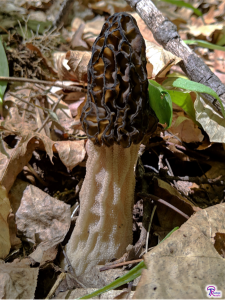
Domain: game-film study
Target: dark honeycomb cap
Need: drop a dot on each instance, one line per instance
(117, 109)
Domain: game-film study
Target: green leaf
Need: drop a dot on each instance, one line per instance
(184, 4)
(184, 101)
(53, 115)
(204, 44)
(197, 87)
(131, 275)
(4, 71)
(160, 102)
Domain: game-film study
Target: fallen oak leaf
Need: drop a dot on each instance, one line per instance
(187, 259)
(18, 280)
(42, 219)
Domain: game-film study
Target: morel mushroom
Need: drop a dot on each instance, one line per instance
(115, 118)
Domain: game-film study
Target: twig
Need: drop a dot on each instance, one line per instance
(155, 198)
(71, 271)
(49, 83)
(29, 103)
(120, 264)
(55, 286)
(197, 180)
(171, 173)
(36, 175)
(149, 227)
(49, 116)
(67, 260)
(65, 9)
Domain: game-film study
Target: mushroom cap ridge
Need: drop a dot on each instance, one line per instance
(117, 108)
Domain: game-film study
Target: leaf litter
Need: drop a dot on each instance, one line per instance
(43, 162)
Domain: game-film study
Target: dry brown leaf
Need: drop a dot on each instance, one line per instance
(167, 217)
(212, 122)
(217, 170)
(78, 62)
(184, 128)
(145, 31)
(92, 30)
(75, 24)
(219, 60)
(159, 61)
(220, 10)
(42, 219)
(14, 106)
(203, 31)
(11, 166)
(16, 193)
(4, 232)
(14, 240)
(75, 105)
(77, 42)
(35, 49)
(209, 17)
(63, 69)
(185, 263)
(113, 294)
(18, 280)
(71, 153)
(73, 65)
(13, 160)
(111, 6)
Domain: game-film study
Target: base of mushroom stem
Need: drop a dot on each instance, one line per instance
(104, 226)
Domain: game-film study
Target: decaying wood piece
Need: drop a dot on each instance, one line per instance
(165, 33)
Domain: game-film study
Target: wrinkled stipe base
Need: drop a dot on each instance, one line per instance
(104, 226)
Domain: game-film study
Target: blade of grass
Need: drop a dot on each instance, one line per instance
(204, 44)
(4, 71)
(184, 4)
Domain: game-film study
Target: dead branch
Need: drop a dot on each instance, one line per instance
(49, 83)
(165, 33)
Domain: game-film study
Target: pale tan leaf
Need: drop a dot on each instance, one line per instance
(113, 294)
(92, 30)
(28, 137)
(64, 71)
(184, 128)
(184, 264)
(145, 31)
(159, 60)
(77, 42)
(18, 280)
(168, 218)
(13, 161)
(111, 6)
(16, 193)
(205, 30)
(78, 62)
(14, 240)
(4, 232)
(42, 219)
(71, 153)
(212, 122)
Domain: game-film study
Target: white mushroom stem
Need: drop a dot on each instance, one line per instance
(104, 226)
